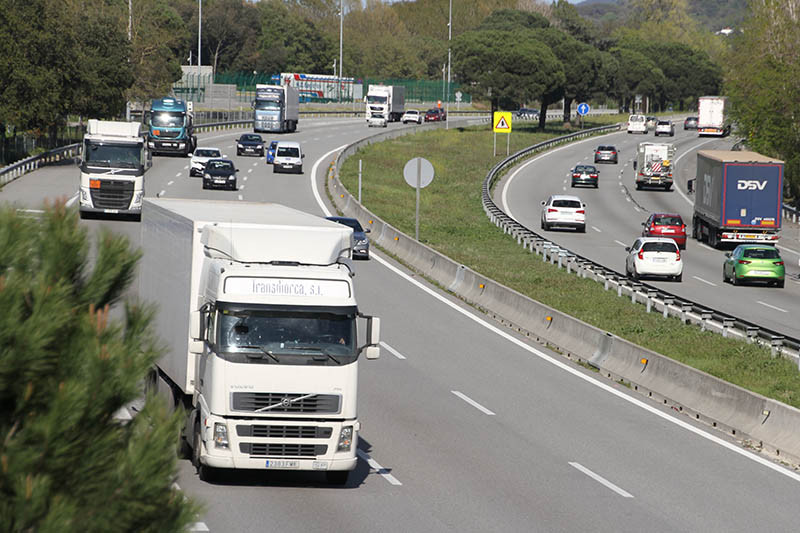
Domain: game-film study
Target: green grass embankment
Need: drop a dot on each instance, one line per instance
(453, 222)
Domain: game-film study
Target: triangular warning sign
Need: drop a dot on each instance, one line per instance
(502, 124)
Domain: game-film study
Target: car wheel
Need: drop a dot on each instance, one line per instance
(582, 229)
(572, 184)
(678, 278)
(667, 187)
(204, 185)
(596, 185)
(780, 283)
(300, 170)
(634, 273)
(734, 279)
(274, 169)
(545, 226)
(724, 276)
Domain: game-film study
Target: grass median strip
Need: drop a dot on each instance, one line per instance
(452, 221)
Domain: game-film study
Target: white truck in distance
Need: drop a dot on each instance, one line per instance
(385, 103)
(258, 314)
(712, 116)
(114, 159)
(654, 164)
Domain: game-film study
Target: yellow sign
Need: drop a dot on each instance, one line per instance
(501, 123)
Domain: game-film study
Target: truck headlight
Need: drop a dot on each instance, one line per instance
(345, 439)
(220, 435)
(85, 196)
(137, 198)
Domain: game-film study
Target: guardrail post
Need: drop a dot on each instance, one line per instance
(650, 294)
(634, 288)
(775, 343)
(685, 308)
(569, 264)
(606, 281)
(561, 255)
(752, 334)
(545, 249)
(667, 302)
(727, 323)
(620, 283)
(705, 316)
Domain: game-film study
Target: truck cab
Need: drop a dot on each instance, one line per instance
(171, 128)
(276, 108)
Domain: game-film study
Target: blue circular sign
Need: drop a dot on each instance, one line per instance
(583, 108)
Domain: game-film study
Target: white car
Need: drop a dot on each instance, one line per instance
(379, 121)
(412, 115)
(654, 256)
(637, 124)
(665, 127)
(200, 157)
(564, 211)
(288, 157)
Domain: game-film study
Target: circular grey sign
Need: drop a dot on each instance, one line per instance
(418, 165)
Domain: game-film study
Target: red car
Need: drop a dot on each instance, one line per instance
(666, 225)
(435, 115)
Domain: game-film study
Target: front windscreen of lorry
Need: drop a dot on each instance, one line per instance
(285, 335)
(166, 119)
(267, 105)
(375, 99)
(112, 155)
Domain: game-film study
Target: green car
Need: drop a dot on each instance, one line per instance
(754, 262)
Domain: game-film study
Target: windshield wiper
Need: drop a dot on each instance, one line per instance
(323, 351)
(262, 350)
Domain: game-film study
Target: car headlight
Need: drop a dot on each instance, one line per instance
(231, 178)
(259, 146)
(207, 176)
(220, 435)
(361, 241)
(345, 439)
(239, 145)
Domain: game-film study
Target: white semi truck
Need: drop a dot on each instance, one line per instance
(654, 165)
(258, 314)
(712, 116)
(276, 108)
(385, 103)
(114, 159)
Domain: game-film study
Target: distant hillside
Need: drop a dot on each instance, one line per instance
(712, 15)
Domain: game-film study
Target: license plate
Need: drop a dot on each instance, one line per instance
(248, 149)
(219, 181)
(749, 236)
(760, 272)
(282, 463)
(659, 260)
(287, 166)
(168, 145)
(668, 231)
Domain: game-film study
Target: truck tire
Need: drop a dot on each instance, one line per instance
(668, 187)
(337, 477)
(204, 472)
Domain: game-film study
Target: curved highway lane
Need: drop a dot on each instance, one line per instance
(467, 427)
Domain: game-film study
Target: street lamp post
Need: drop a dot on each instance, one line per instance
(341, 33)
(199, 34)
(449, 37)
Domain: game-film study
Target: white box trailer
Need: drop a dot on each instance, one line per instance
(258, 314)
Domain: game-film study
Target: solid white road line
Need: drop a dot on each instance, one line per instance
(381, 471)
(392, 351)
(704, 281)
(688, 200)
(765, 304)
(313, 175)
(73, 199)
(601, 480)
(598, 230)
(620, 243)
(668, 417)
(472, 402)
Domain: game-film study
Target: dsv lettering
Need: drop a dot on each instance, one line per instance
(751, 185)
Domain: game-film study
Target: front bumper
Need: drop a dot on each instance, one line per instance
(287, 167)
(653, 180)
(172, 146)
(216, 183)
(250, 150)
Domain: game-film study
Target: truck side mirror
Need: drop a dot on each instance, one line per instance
(371, 349)
(196, 324)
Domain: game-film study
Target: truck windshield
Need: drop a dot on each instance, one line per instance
(121, 155)
(167, 119)
(286, 337)
(375, 99)
(264, 105)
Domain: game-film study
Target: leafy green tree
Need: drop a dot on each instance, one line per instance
(568, 19)
(509, 68)
(513, 19)
(637, 74)
(66, 368)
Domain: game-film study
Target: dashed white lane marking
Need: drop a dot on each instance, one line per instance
(620, 243)
(601, 480)
(704, 281)
(381, 471)
(245, 178)
(473, 403)
(170, 182)
(179, 174)
(249, 170)
(564, 188)
(186, 167)
(255, 164)
(162, 193)
(637, 209)
(765, 304)
(598, 230)
(241, 188)
(627, 199)
(795, 252)
(392, 351)
(72, 200)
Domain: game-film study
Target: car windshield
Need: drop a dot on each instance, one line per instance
(636, 118)
(286, 336)
(667, 221)
(219, 164)
(663, 123)
(166, 119)
(350, 222)
(288, 151)
(659, 247)
(761, 253)
(412, 112)
(605, 148)
(575, 204)
(200, 152)
(251, 138)
(585, 168)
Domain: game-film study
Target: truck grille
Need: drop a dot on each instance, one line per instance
(112, 194)
(162, 134)
(284, 432)
(286, 403)
(282, 450)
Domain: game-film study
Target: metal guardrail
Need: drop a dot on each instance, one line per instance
(14, 170)
(648, 294)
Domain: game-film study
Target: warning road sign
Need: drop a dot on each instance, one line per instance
(501, 122)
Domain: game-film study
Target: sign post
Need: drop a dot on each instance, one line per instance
(583, 110)
(418, 173)
(501, 123)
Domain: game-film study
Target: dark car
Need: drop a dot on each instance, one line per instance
(669, 225)
(360, 241)
(435, 115)
(273, 145)
(220, 174)
(525, 113)
(250, 144)
(607, 154)
(585, 175)
(690, 123)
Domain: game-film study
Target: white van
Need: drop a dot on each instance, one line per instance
(637, 124)
(288, 157)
